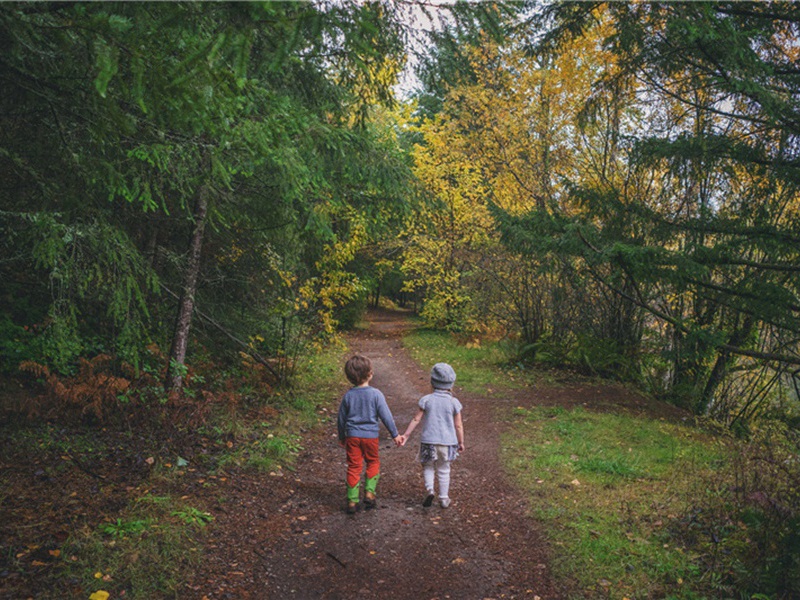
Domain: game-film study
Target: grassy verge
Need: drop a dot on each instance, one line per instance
(614, 493)
(481, 368)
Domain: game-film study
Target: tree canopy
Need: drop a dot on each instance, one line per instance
(638, 164)
(612, 186)
(218, 155)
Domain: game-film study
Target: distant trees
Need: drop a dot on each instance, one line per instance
(614, 184)
(638, 162)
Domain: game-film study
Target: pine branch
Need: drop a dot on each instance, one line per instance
(766, 356)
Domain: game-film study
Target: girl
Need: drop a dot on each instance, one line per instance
(442, 432)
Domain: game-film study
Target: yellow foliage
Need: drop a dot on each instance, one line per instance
(233, 254)
(509, 139)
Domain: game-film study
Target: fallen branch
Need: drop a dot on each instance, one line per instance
(252, 353)
(336, 559)
(85, 469)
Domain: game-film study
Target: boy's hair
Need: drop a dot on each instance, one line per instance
(358, 369)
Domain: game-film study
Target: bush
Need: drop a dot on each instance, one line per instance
(15, 345)
(351, 313)
(766, 499)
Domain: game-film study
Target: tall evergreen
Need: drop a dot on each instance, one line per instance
(173, 160)
(711, 250)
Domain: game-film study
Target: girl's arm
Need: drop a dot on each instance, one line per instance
(459, 431)
(413, 424)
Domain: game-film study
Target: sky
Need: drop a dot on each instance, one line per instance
(421, 16)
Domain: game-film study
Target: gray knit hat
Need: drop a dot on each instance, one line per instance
(442, 376)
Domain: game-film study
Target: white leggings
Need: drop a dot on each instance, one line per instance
(441, 468)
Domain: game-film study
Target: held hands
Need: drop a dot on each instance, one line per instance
(401, 440)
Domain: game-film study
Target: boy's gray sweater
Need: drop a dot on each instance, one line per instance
(360, 411)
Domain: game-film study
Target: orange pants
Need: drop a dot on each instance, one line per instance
(360, 450)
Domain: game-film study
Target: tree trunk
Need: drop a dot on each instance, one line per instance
(183, 322)
(722, 365)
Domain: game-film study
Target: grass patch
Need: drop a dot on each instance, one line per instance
(146, 554)
(611, 490)
(480, 368)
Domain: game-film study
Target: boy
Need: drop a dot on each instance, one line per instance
(359, 412)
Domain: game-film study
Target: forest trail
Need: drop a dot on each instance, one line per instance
(287, 535)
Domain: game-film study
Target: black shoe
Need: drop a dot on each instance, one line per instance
(370, 503)
(352, 508)
(428, 500)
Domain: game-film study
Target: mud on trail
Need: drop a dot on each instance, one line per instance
(287, 535)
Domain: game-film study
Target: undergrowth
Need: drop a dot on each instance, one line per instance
(147, 552)
(122, 502)
(159, 542)
(270, 437)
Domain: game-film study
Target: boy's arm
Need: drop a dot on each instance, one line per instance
(341, 421)
(459, 423)
(386, 417)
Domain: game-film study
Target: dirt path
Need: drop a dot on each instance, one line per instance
(290, 538)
